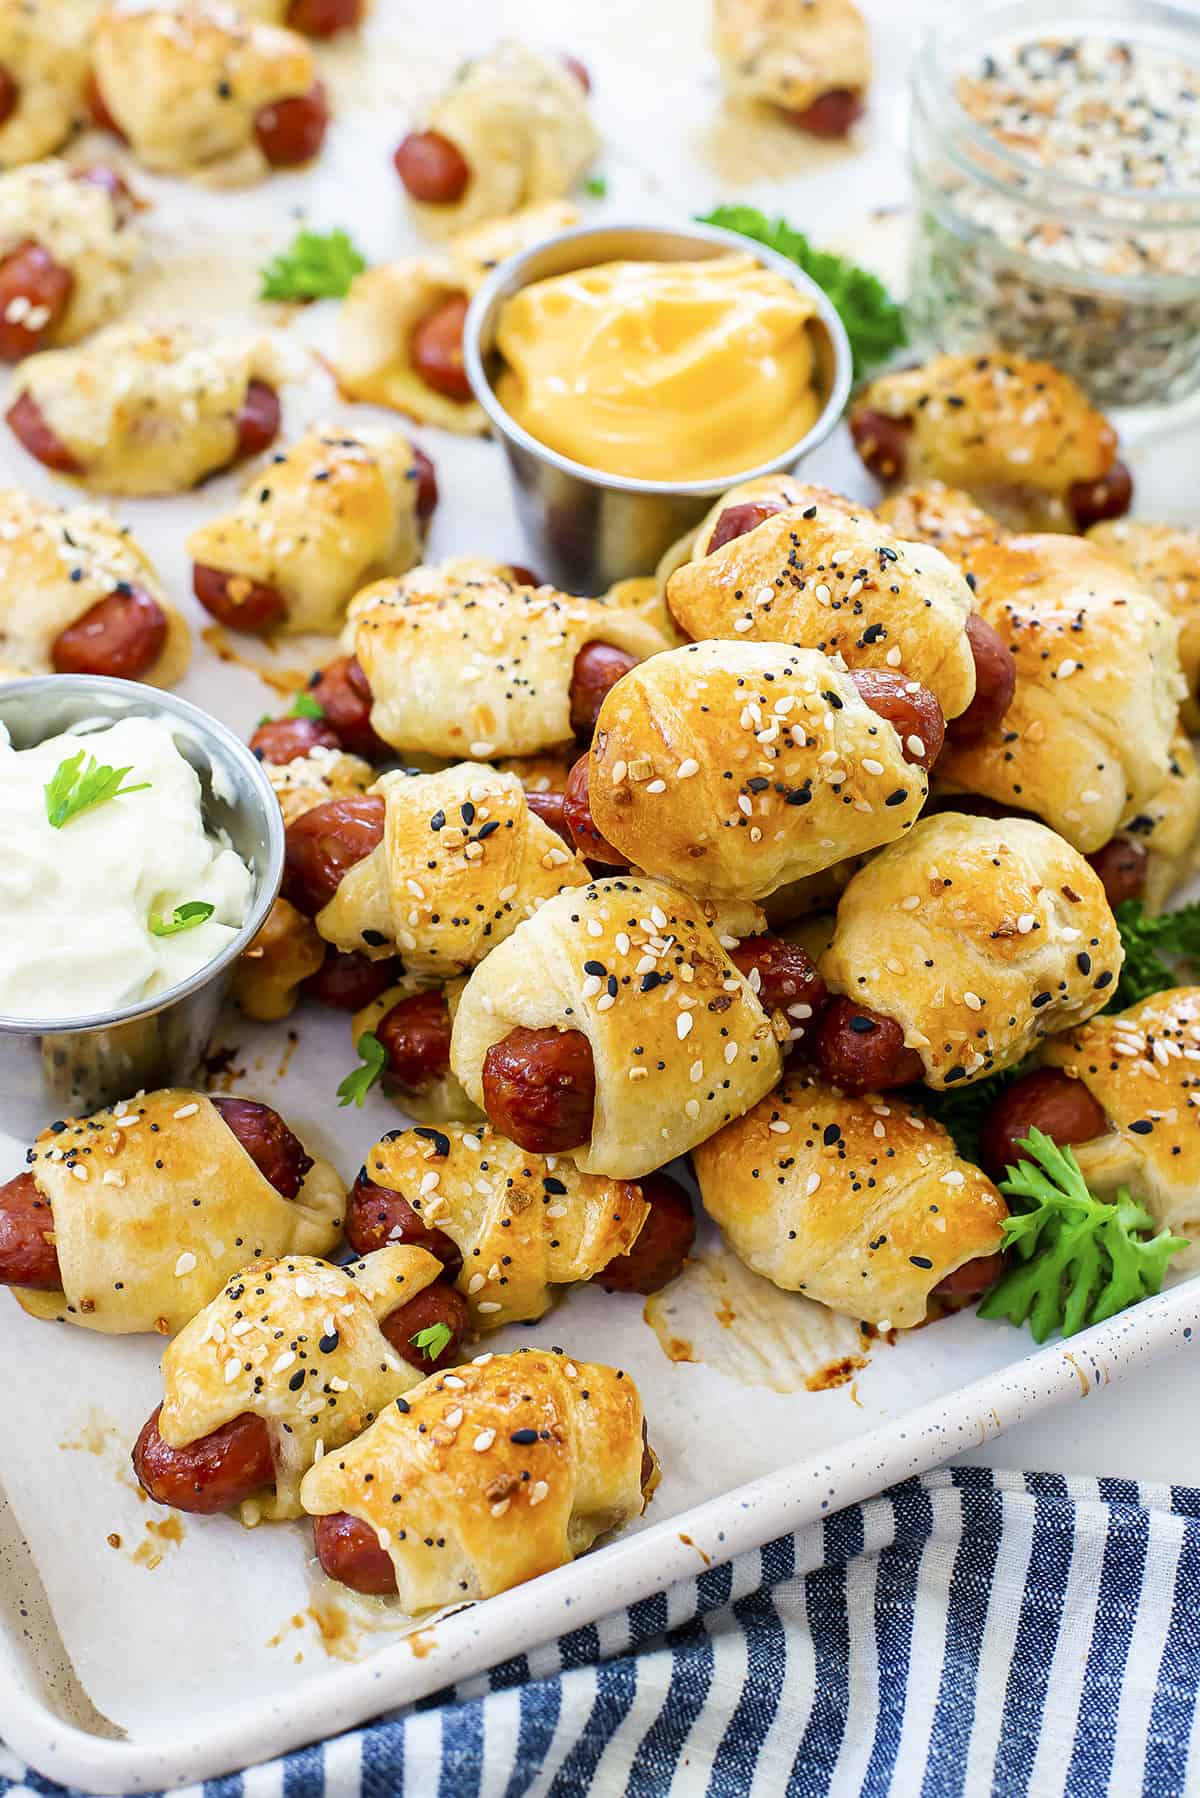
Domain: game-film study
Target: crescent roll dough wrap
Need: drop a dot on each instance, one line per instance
(825, 579)
(146, 409)
(679, 1042)
(184, 84)
(45, 50)
(772, 489)
(1140, 1066)
(945, 516)
(1086, 740)
(862, 1204)
(525, 1223)
(385, 305)
(471, 663)
(135, 1252)
(313, 1362)
(1166, 562)
(979, 936)
(55, 565)
(521, 123)
(475, 1520)
(309, 780)
(463, 860)
(1169, 826)
(736, 768)
(333, 511)
(1016, 434)
(790, 52)
(84, 228)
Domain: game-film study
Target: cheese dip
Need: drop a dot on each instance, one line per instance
(661, 371)
(129, 895)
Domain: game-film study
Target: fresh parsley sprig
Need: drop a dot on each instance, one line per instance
(874, 322)
(313, 267)
(433, 1340)
(184, 917)
(305, 706)
(373, 1059)
(1078, 1259)
(80, 783)
(1146, 941)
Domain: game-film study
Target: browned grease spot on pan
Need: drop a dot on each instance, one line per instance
(688, 1543)
(1085, 1385)
(720, 1314)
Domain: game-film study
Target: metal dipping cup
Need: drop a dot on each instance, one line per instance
(589, 529)
(55, 1067)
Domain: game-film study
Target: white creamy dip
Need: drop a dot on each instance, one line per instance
(76, 903)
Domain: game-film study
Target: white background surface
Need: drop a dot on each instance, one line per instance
(672, 149)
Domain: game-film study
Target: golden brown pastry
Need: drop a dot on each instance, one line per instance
(1019, 436)
(524, 1223)
(482, 1507)
(1086, 739)
(519, 123)
(57, 568)
(810, 58)
(389, 304)
(978, 937)
(678, 1042)
(1166, 562)
(1168, 826)
(44, 53)
(298, 1344)
(144, 409)
(335, 510)
(771, 492)
(195, 88)
(158, 1201)
(268, 975)
(1140, 1066)
(309, 780)
(463, 860)
(87, 229)
(464, 661)
(862, 1204)
(944, 516)
(824, 578)
(733, 769)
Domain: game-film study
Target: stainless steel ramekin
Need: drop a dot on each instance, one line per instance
(589, 529)
(53, 1067)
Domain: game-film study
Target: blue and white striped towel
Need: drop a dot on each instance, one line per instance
(976, 1633)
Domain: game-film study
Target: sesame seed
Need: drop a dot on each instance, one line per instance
(185, 1264)
(487, 1305)
(892, 658)
(683, 1025)
(692, 1108)
(187, 1111)
(811, 1185)
(537, 1492)
(483, 1441)
(476, 1283)
(453, 1418)
(500, 1507)
(973, 1001)
(1026, 922)
(687, 768)
(872, 766)
(743, 624)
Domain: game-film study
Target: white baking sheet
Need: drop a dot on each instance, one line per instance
(139, 1649)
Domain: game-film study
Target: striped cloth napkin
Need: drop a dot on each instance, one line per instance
(976, 1633)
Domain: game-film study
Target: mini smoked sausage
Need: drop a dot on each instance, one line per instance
(433, 1305)
(735, 521)
(539, 1088)
(291, 131)
(972, 1279)
(238, 602)
(598, 667)
(349, 1552)
(881, 442)
(121, 636)
(322, 844)
(831, 114)
(27, 1253)
(416, 1035)
(661, 1245)
(275, 1151)
(282, 740)
(436, 348)
(995, 682)
(862, 1052)
(346, 980)
(28, 425)
(786, 978)
(257, 421)
(342, 692)
(212, 1474)
(1091, 502)
(909, 708)
(1046, 1100)
(10, 93)
(425, 476)
(377, 1216)
(322, 18)
(1121, 865)
(433, 170)
(35, 291)
(551, 808)
(594, 848)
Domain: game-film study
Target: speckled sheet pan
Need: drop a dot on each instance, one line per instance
(140, 1649)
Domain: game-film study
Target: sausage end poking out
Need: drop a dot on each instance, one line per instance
(539, 1088)
(238, 602)
(344, 696)
(290, 132)
(28, 1256)
(1091, 502)
(277, 1154)
(349, 1552)
(1046, 1100)
(321, 845)
(346, 980)
(785, 979)
(1122, 866)
(831, 114)
(28, 425)
(995, 683)
(911, 710)
(862, 1052)
(435, 348)
(211, 1474)
(662, 1244)
(121, 636)
(258, 420)
(598, 667)
(434, 170)
(736, 521)
(577, 813)
(35, 292)
(379, 1216)
(881, 442)
(283, 740)
(415, 1035)
(438, 1304)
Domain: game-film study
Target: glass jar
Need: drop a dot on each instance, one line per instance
(1087, 256)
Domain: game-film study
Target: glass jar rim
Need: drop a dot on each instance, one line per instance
(933, 84)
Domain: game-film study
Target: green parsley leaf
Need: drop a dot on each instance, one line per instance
(78, 784)
(961, 1109)
(874, 322)
(1146, 942)
(357, 1084)
(432, 1341)
(596, 186)
(184, 917)
(305, 706)
(1077, 1259)
(312, 268)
